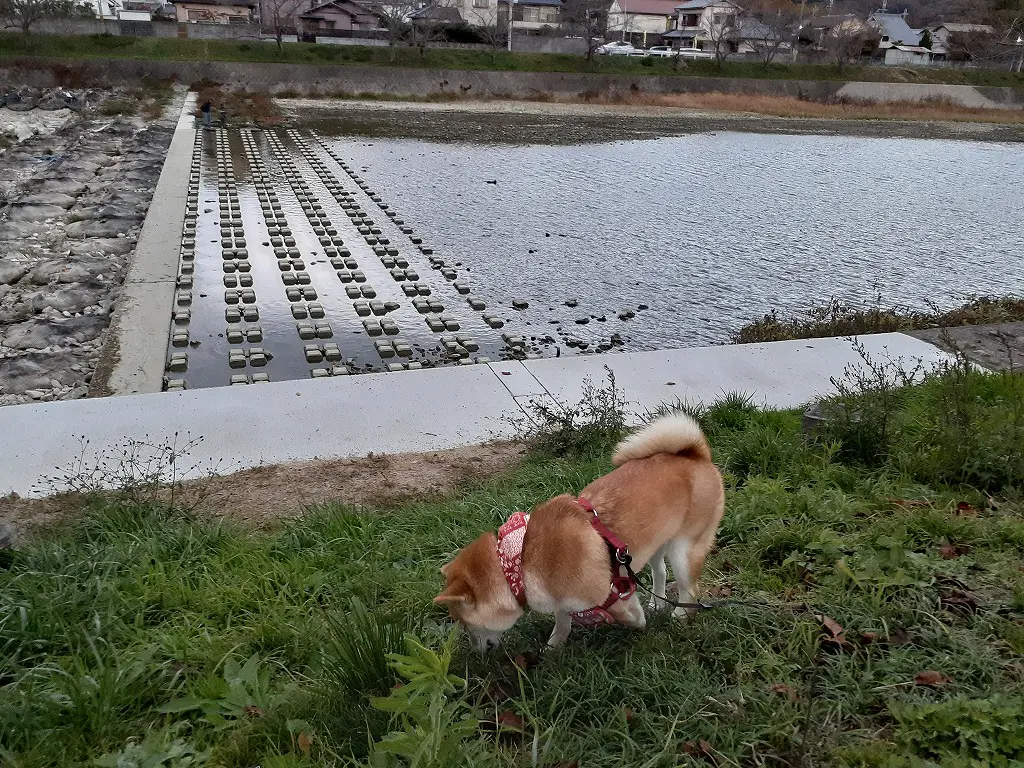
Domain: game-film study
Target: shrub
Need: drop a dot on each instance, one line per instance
(593, 426)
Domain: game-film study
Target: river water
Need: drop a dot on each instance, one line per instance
(531, 236)
(710, 230)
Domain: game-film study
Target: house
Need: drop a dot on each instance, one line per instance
(530, 14)
(338, 16)
(904, 55)
(214, 11)
(755, 37)
(821, 33)
(436, 14)
(641, 18)
(952, 41)
(705, 25)
(893, 28)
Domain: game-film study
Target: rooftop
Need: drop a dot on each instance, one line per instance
(895, 27)
(649, 7)
(953, 26)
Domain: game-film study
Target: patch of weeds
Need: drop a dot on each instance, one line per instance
(594, 425)
(861, 416)
(244, 691)
(162, 748)
(838, 318)
(357, 656)
(963, 731)
(965, 426)
(113, 107)
(953, 424)
(433, 726)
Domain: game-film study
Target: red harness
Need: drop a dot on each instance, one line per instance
(510, 554)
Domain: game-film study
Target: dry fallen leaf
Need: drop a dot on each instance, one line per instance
(835, 635)
(833, 627)
(931, 679)
(627, 712)
(253, 711)
(964, 509)
(720, 590)
(305, 742)
(899, 637)
(700, 748)
(510, 720)
(959, 598)
(869, 637)
(783, 690)
(948, 552)
(525, 661)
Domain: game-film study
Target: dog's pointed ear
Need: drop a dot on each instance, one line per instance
(457, 591)
(446, 569)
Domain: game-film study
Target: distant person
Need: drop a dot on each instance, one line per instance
(207, 110)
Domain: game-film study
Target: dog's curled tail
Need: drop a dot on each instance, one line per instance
(676, 433)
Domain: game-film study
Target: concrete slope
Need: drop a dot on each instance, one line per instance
(246, 426)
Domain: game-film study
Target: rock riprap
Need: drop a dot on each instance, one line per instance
(72, 203)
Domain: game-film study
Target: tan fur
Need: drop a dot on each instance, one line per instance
(675, 433)
(664, 500)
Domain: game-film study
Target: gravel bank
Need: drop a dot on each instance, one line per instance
(514, 122)
(72, 203)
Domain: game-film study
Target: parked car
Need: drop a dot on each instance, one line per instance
(683, 53)
(619, 48)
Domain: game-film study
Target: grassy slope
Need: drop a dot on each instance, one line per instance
(134, 607)
(225, 50)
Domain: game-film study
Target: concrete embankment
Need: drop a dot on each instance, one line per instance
(413, 411)
(415, 82)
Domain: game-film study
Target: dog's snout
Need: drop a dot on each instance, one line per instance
(490, 645)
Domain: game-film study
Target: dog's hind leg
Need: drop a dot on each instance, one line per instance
(563, 623)
(687, 562)
(658, 578)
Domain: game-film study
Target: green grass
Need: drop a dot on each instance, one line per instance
(160, 637)
(175, 49)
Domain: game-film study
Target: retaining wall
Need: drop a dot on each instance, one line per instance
(402, 81)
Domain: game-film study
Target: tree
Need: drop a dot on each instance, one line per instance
(587, 19)
(721, 29)
(394, 19)
(849, 40)
(281, 17)
(22, 14)
(770, 26)
(926, 40)
(427, 25)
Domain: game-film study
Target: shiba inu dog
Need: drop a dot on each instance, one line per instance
(664, 500)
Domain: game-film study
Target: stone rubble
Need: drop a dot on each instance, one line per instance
(72, 204)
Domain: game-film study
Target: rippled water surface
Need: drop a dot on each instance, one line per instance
(709, 230)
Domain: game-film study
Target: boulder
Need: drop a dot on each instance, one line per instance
(11, 272)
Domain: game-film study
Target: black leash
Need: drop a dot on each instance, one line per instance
(702, 606)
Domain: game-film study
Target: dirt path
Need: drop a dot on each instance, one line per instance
(260, 497)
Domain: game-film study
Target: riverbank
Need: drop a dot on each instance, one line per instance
(571, 121)
(877, 622)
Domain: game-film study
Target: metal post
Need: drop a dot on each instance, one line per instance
(511, 13)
